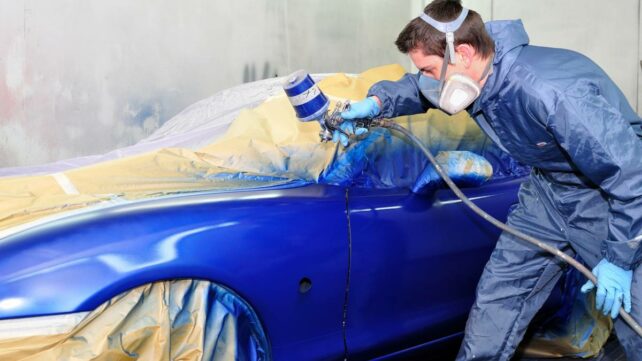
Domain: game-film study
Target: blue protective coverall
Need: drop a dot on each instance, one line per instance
(558, 112)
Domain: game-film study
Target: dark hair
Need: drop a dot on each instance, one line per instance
(419, 34)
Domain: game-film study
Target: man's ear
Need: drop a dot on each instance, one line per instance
(465, 53)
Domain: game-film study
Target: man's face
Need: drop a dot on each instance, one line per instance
(430, 65)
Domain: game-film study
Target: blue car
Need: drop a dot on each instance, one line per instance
(328, 270)
(308, 271)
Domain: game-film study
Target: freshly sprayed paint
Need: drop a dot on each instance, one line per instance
(261, 244)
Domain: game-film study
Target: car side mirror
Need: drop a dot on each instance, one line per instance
(428, 182)
(465, 168)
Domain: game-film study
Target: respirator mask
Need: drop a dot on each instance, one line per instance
(456, 93)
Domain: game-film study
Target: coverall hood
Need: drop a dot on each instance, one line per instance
(509, 37)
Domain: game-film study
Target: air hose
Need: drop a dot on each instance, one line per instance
(504, 227)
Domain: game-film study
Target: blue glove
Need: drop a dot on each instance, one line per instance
(613, 287)
(348, 127)
(367, 108)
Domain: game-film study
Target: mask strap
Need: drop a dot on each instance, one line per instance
(449, 29)
(444, 67)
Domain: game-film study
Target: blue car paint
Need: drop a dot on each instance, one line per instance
(259, 244)
(416, 261)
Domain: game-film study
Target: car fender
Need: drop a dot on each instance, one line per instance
(260, 244)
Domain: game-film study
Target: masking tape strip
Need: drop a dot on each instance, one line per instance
(65, 183)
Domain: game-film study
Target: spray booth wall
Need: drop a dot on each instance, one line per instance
(80, 77)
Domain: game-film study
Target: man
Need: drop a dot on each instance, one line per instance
(558, 112)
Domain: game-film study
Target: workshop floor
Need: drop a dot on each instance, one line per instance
(611, 352)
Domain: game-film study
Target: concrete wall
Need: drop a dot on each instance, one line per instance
(81, 77)
(607, 32)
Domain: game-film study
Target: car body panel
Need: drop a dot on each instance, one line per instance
(258, 243)
(415, 263)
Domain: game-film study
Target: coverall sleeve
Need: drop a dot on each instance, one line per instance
(401, 97)
(603, 146)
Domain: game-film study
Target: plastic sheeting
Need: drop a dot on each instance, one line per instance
(263, 146)
(172, 320)
(198, 125)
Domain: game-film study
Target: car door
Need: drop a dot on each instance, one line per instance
(415, 263)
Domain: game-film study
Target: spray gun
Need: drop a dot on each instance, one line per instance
(310, 103)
